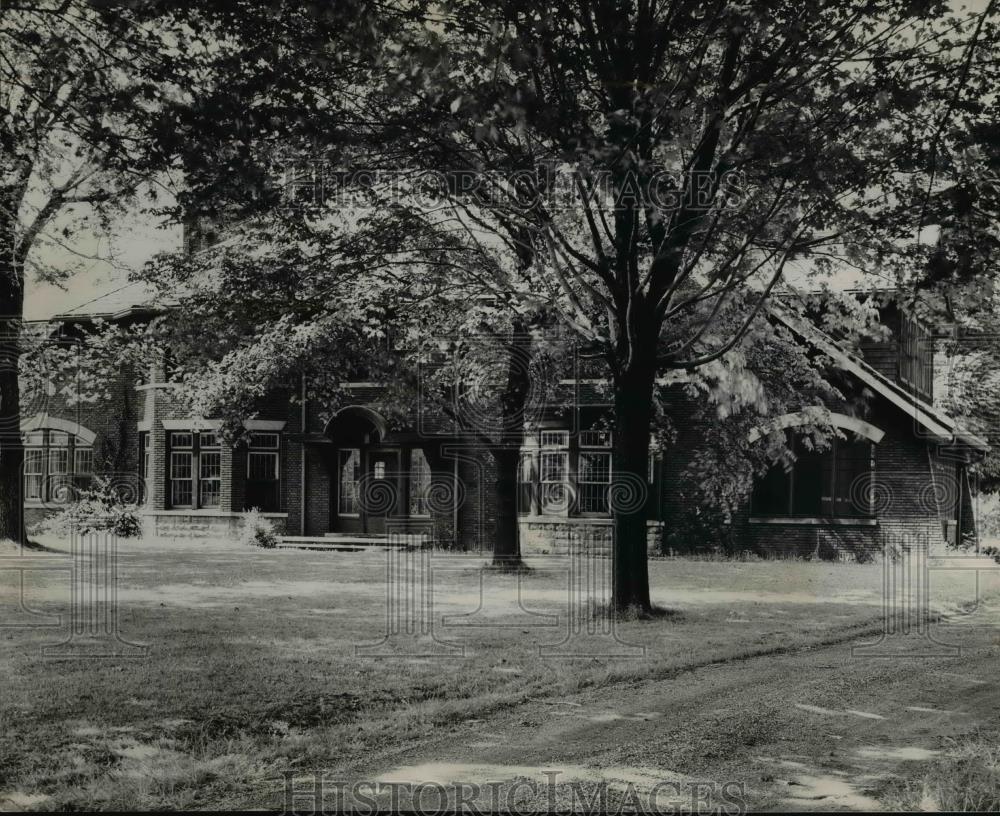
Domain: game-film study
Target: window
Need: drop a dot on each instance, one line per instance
(209, 469)
(83, 466)
(553, 487)
(181, 469)
(420, 482)
(594, 478)
(263, 472)
(525, 483)
(350, 475)
(916, 355)
(832, 483)
(593, 471)
(55, 462)
(34, 473)
(567, 474)
(144, 462)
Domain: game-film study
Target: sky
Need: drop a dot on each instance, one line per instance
(96, 263)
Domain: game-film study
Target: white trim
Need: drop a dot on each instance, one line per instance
(191, 424)
(39, 421)
(808, 417)
(273, 425)
(144, 426)
(938, 425)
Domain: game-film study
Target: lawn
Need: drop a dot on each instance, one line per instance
(259, 662)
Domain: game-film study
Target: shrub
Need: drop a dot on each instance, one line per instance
(103, 507)
(258, 531)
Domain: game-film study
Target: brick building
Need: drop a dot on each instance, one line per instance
(347, 473)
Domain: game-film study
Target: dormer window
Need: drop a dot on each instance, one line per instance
(916, 356)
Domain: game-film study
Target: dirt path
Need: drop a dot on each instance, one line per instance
(819, 728)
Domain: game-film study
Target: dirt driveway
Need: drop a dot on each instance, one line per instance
(823, 728)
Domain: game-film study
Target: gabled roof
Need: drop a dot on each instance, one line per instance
(134, 298)
(937, 424)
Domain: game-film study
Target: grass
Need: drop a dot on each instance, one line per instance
(966, 778)
(252, 668)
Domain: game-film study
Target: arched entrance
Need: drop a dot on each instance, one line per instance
(377, 476)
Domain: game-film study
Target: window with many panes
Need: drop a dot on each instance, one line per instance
(824, 484)
(553, 472)
(57, 465)
(916, 356)
(561, 473)
(181, 469)
(209, 469)
(263, 471)
(194, 468)
(566, 474)
(593, 472)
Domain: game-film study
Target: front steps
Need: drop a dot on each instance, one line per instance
(354, 542)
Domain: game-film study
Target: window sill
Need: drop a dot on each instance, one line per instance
(812, 521)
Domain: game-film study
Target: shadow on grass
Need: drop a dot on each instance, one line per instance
(11, 547)
(507, 568)
(636, 613)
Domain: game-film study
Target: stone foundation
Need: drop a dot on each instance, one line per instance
(200, 524)
(558, 536)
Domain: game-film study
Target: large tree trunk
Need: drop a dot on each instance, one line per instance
(633, 416)
(507, 544)
(507, 454)
(11, 449)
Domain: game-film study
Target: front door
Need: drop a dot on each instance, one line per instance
(382, 490)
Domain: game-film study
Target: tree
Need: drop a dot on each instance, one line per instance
(654, 167)
(81, 87)
(710, 146)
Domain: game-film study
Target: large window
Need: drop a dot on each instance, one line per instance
(835, 483)
(593, 472)
(553, 481)
(195, 468)
(181, 469)
(57, 465)
(209, 469)
(566, 474)
(263, 471)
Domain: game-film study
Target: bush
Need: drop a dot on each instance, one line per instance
(258, 531)
(102, 507)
